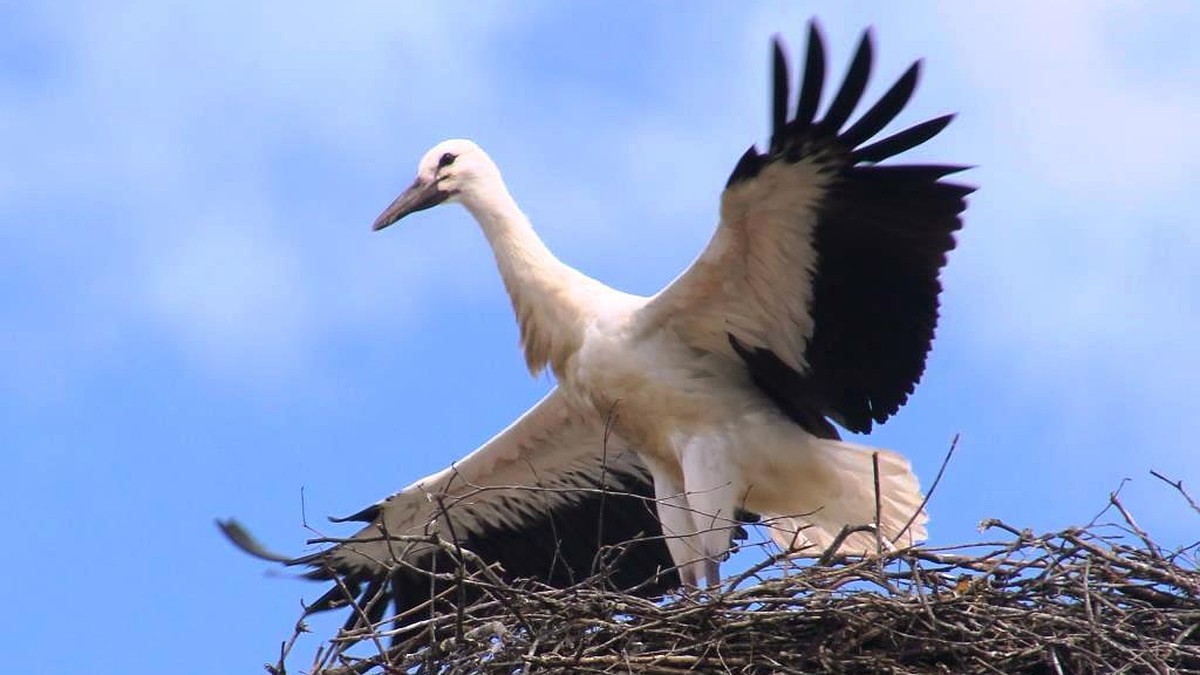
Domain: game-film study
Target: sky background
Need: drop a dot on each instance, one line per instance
(195, 321)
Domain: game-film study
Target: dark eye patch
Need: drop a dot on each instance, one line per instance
(446, 160)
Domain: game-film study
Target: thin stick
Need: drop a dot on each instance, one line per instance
(1178, 485)
(936, 480)
(878, 503)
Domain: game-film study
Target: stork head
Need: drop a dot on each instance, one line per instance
(451, 171)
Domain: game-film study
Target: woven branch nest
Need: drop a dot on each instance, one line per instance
(1098, 599)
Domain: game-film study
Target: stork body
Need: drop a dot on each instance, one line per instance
(714, 443)
(815, 302)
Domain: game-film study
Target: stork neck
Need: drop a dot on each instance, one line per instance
(545, 293)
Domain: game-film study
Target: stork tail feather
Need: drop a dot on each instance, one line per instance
(847, 498)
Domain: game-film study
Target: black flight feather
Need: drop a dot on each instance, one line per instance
(780, 95)
(814, 78)
(852, 87)
(901, 141)
(885, 110)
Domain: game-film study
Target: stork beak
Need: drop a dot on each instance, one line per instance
(418, 197)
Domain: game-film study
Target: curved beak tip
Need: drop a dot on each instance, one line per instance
(417, 197)
(394, 212)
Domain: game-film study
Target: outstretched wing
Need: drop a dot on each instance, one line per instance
(823, 273)
(549, 498)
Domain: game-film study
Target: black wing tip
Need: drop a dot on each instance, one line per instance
(866, 44)
(901, 141)
(815, 37)
(913, 73)
(790, 137)
(853, 86)
(816, 42)
(367, 515)
(884, 111)
(868, 37)
(813, 79)
(240, 537)
(780, 92)
(747, 166)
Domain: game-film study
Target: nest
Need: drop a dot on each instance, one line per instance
(1104, 598)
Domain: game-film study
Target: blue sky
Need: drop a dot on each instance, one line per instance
(198, 323)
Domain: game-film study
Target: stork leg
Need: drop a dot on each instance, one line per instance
(713, 495)
(676, 519)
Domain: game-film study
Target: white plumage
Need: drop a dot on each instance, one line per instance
(815, 300)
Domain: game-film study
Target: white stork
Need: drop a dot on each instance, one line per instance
(816, 300)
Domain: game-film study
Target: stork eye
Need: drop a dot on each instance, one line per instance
(446, 160)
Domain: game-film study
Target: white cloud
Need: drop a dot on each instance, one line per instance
(1069, 100)
(1076, 281)
(227, 288)
(153, 160)
(1086, 163)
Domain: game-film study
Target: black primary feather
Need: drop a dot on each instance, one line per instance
(852, 88)
(885, 110)
(814, 78)
(780, 97)
(902, 141)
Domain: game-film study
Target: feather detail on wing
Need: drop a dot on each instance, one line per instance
(552, 497)
(822, 275)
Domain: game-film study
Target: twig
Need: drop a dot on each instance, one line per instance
(1178, 485)
(933, 486)
(878, 503)
(1150, 545)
